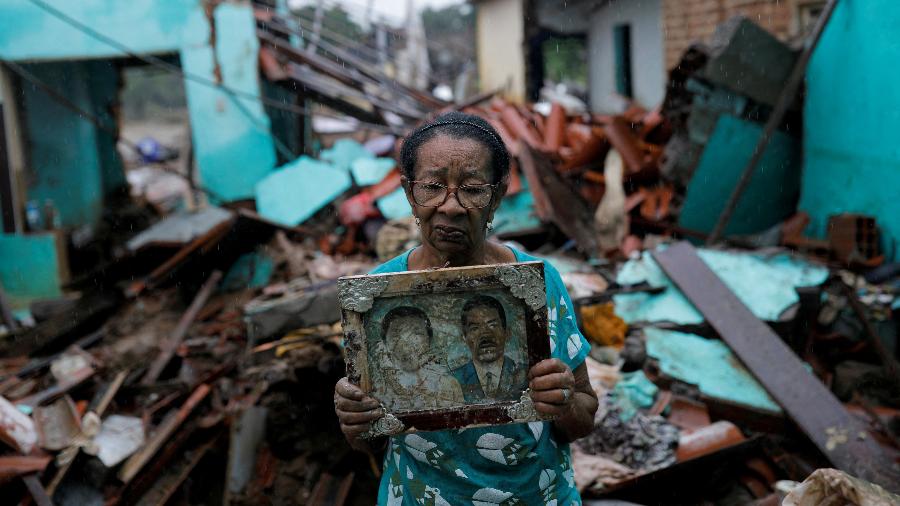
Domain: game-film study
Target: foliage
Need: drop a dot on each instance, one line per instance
(451, 36)
(565, 60)
(334, 19)
(149, 93)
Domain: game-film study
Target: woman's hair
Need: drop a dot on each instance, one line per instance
(457, 125)
(404, 311)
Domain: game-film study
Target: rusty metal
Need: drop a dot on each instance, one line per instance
(837, 434)
(168, 348)
(775, 118)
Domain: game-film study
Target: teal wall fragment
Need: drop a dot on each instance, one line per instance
(64, 163)
(28, 32)
(394, 205)
(772, 193)
(766, 284)
(233, 146)
(30, 267)
(709, 364)
(852, 119)
(298, 190)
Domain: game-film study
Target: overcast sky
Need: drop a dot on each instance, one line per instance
(392, 10)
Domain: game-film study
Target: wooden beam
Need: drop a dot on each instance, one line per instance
(840, 437)
(171, 344)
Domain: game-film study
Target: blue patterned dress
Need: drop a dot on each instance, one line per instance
(519, 464)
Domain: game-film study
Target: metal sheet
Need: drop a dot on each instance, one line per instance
(839, 436)
(181, 228)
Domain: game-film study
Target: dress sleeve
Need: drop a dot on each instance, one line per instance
(566, 341)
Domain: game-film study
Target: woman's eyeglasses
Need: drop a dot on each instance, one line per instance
(470, 196)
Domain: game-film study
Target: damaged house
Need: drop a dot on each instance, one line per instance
(721, 203)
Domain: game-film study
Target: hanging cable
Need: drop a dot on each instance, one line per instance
(174, 69)
(100, 124)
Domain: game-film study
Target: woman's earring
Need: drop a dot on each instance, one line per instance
(490, 225)
(418, 221)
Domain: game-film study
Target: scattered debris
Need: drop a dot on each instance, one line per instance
(210, 342)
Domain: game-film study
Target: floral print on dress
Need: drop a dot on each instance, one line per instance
(472, 466)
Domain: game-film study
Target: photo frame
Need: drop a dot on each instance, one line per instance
(446, 348)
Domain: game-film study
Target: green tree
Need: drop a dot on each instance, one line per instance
(565, 60)
(451, 39)
(334, 19)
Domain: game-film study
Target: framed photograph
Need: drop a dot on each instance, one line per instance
(446, 348)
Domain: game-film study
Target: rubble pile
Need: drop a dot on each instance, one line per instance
(209, 346)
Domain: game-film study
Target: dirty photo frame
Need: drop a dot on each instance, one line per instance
(440, 298)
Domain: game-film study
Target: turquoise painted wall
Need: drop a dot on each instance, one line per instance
(852, 118)
(30, 267)
(28, 32)
(72, 162)
(64, 163)
(771, 195)
(232, 143)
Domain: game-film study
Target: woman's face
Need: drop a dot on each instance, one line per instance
(450, 228)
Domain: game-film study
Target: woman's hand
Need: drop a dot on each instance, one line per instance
(564, 394)
(552, 387)
(356, 411)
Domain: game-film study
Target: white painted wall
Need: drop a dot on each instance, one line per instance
(647, 57)
(500, 37)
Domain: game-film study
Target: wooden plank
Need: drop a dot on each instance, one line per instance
(171, 345)
(163, 432)
(33, 484)
(840, 437)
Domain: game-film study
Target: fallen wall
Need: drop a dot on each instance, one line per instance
(851, 153)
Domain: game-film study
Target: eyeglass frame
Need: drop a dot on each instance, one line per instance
(452, 190)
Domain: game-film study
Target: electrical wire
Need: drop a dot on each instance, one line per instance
(174, 69)
(100, 124)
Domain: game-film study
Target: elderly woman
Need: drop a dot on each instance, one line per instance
(455, 172)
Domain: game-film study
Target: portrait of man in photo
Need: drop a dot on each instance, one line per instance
(490, 375)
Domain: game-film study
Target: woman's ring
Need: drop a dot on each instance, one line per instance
(566, 394)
